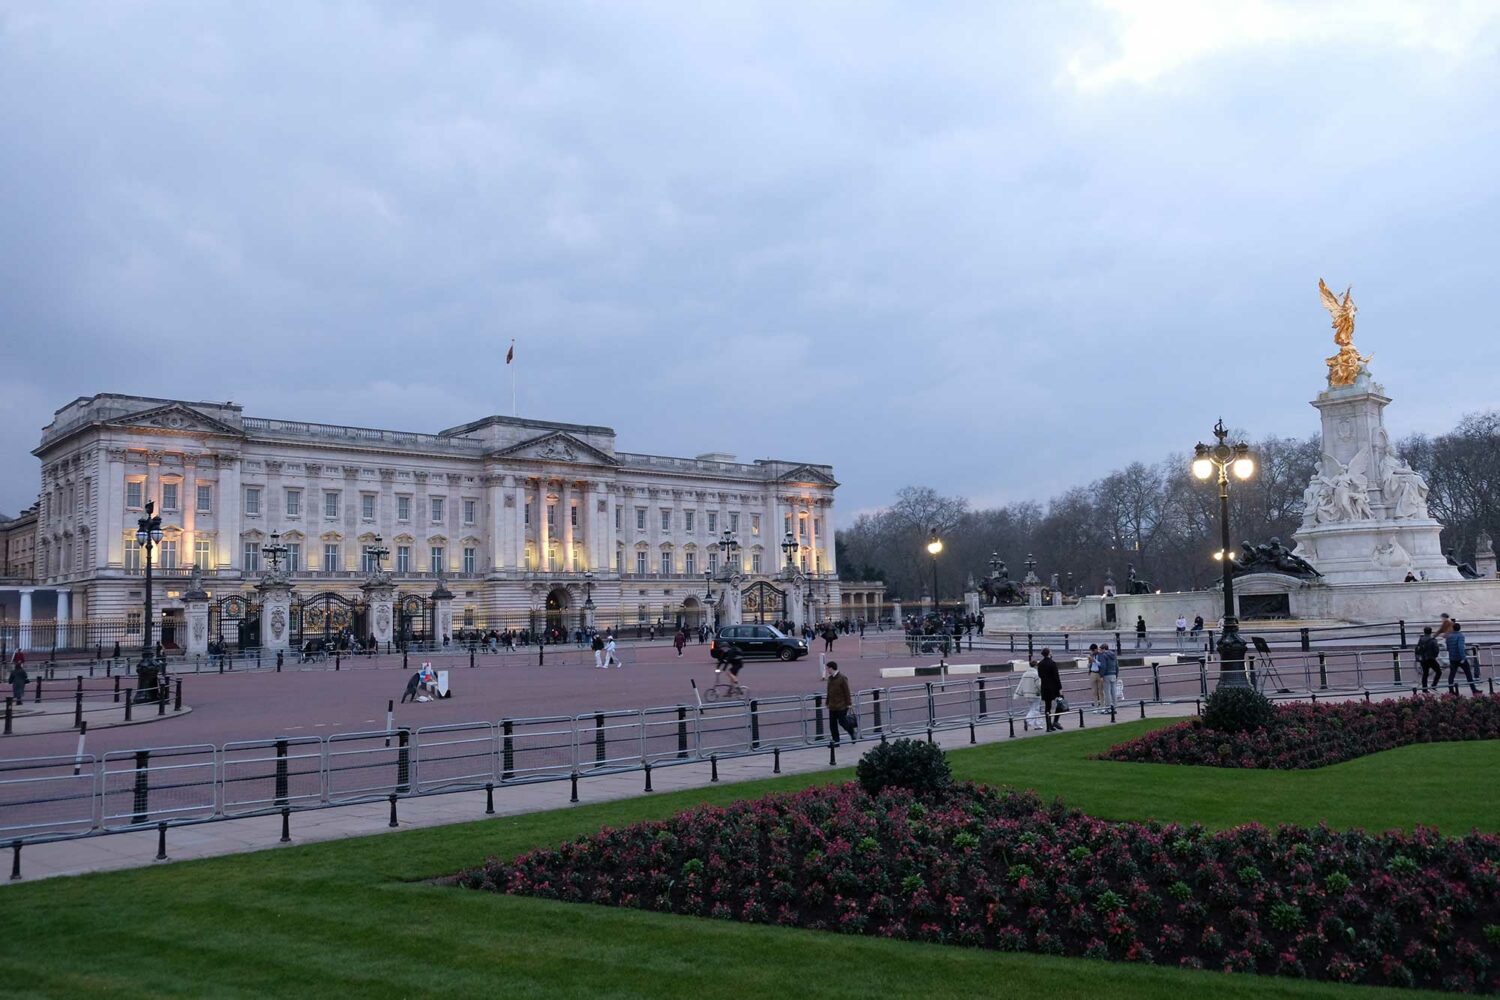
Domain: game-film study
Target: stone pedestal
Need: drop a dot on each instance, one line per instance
(275, 612)
(380, 600)
(1365, 512)
(195, 603)
(896, 614)
(442, 613)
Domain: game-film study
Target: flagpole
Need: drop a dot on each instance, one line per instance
(511, 364)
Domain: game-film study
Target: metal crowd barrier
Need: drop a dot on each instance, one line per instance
(68, 796)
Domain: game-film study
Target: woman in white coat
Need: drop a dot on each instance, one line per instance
(1029, 688)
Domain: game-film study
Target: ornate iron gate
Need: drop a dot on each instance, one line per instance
(762, 603)
(235, 619)
(325, 616)
(414, 614)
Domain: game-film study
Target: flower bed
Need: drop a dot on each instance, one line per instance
(979, 867)
(1314, 735)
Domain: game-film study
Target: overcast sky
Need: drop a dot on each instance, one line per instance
(995, 249)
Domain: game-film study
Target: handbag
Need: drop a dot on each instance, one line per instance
(1059, 705)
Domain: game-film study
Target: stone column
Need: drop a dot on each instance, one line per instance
(275, 612)
(228, 521)
(110, 522)
(23, 625)
(380, 599)
(153, 478)
(543, 534)
(60, 639)
(518, 524)
(565, 514)
(442, 612)
(812, 538)
(195, 601)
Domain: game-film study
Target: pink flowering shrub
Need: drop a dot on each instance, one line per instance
(1303, 735)
(984, 868)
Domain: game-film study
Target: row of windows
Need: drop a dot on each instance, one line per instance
(135, 493)
(333, 558)
(332, 499)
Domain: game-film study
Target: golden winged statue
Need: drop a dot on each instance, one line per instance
(1345, 366)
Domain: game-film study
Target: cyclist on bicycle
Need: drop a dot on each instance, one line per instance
(732, 662)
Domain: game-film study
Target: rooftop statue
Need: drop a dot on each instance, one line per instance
(1345, 366)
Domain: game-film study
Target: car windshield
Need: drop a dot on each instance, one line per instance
(775, 632)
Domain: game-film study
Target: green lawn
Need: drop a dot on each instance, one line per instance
(353, 919)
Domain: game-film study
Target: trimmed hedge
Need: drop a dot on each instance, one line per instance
(982, 868)
(1302, 735)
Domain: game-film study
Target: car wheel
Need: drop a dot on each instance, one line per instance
(785, 654)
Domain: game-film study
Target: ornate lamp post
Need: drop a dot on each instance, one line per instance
(789, 549)
(934, 546)
(588, 599)
(1223, 458)
(730, 546)
(378, 551)
(148, 536)
(274, 551)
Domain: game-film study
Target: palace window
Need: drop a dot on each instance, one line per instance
(713, 562)
(573, 515)
(369, 561)
(169, 554)
(754, 524)
(471, 559)
(437, 559)
(403, 508)
(203, 554)
(528, 513)
(293, 503)
(134, 490)
(205, 498)
(469, 508)
(437, 509)
(132, 554)
(551, 518)
(640, 563)
(294, 557)
(755, 562)
(367, 506)
(666, 519)
(640, 519)
(403, 559)
(666, 564)
(252, 500)
(330, 557)
(713, 522)
(132, 623)
(734, 521)
(252, 557)
(169, 496)
(690, 563)
(331, 505)
(687, 520)
(617, 517)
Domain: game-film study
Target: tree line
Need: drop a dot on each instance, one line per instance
(1157, 518)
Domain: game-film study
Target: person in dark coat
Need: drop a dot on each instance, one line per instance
(840, 700)
(1051, 683)
(412, 687)
(1427, 656)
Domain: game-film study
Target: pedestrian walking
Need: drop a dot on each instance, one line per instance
(679, 640)
(1141, 642)
(1051, 688)
(1181, 631)
(1109, 669)
(1427, 656)
(829, 635)
(598, 647)
(1197, 626)
(18, 677)
(609, 653)
(839, 701)
(1029, 689)
(1458, 659)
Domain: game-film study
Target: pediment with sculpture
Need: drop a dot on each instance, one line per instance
(558, 446)
(176, 417)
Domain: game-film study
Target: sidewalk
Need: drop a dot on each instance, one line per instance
(110, 852)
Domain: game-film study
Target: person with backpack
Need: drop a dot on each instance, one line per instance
(1427, 656)
(1109, 670)
(1458, 659)
(598, 647)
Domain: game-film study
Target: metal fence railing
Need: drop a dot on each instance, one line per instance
(68, 796)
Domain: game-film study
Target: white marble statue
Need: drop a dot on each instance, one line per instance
(1404, 488)
(1342, 492)
(1390, 555)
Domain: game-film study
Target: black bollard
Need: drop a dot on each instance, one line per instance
(1080, 716)
(776, 760)
(161, 702)
(15, 861)
(972, 737)
(161, 842)
(1396, 666)
(984, 702)
(403, 659)
(1143, 708)
(129, 697)
(1012, 720)
(648, 775)
(1111, 716)
(489, 798)
(78, 709)
(281, 774)
(833, 754)
(338, 658)
(574, 797)
(713, 767)
(38, 698)
(221, 664)
(1402, 623)
(541, 655)
(1322, 671)
(177, 704)
(471, 657)
(286, 825)
(278, 660)
(117, 689)
(9, 713)
(754, 724)
(393, 809)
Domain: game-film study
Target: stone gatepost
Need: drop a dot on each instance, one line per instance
(442, 612)
(1484, 556)
(275, 612)
(380, 599)
(195, 600)
(896, 614)
(796, 600)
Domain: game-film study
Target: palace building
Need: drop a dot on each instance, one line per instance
(524, 520)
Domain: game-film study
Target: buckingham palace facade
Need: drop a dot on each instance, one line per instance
(524, 520)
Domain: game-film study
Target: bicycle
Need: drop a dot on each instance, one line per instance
(725, 688)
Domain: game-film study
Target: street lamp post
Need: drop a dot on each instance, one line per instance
(789, 549)
(588, 599)
(934, 546)
(1223, 458)
(274, 551)
(148, 536)
(378, 551)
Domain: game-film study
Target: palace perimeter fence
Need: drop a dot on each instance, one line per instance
(64, 797)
